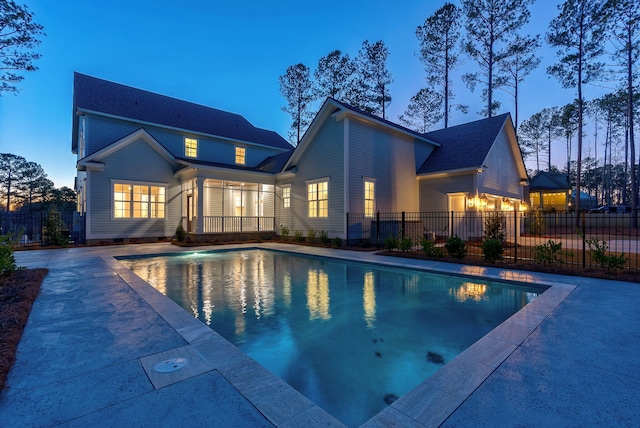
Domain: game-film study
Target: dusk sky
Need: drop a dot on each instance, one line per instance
(228, 55)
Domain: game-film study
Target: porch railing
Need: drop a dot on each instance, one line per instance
(227, 224)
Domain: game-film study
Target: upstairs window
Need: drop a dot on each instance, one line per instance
(191, 147)
(369, 198)
(318, 199)
(240, 152)
(286, 197)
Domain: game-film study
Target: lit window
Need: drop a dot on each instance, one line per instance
(138, 201)
(190, 147)
(318, 199)
(369, 198)
(240, 155)
(286, 197)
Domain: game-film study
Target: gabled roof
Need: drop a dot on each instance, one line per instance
(463, 146)
(333, 107)
(549, 181)
(96, 95)
(275, 163)
(94, 159)
(381, 120)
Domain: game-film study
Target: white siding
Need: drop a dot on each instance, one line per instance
(323, 158)
(390, 160)
(501, 177)
(433, 191)
(136, 162)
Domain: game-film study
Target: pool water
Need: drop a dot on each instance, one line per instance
(352, 337)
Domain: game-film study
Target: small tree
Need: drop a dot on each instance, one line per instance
(423, 112)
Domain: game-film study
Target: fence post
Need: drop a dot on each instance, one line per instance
(402, 225)
(347, 229)
(451, 228)
(584, 236)
(378, 229)
(515, 235)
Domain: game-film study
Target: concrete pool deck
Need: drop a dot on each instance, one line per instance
(97, 332)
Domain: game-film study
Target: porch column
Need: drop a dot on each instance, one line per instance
(200, 205)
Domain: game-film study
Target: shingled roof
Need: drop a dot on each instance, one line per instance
(462, 146)
(98, 95)
(544, 180)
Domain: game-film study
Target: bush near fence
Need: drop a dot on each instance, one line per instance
(43, 229)
(526, 233)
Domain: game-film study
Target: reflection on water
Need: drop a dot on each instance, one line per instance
(318, 295)
(369, 300)
(346, 335)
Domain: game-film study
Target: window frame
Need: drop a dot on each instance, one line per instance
(371, 199)
(317, 206)
(241, 153)
(286, 196)
(138, 198)
(190, 146)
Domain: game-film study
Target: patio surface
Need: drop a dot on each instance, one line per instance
(97, 331)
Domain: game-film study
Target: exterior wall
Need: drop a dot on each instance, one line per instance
(388, 159)
(137, 162)
(323, 158)
(433, 191)
(102, 131)
(501, 177)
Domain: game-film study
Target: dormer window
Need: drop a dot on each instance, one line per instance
(191, 147)
(240, 158)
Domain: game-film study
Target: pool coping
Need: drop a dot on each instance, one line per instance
(429, 404)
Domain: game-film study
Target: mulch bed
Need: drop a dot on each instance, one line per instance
(17, 293)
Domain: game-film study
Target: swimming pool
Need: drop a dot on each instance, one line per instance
(350, 336)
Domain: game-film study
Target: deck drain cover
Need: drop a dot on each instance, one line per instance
(170, 365)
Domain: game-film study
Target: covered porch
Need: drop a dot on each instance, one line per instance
(212, 206)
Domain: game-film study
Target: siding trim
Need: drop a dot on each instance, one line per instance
(346, 174)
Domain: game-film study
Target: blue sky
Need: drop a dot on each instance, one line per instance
(226, 55)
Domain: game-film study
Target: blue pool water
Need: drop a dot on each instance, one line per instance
(349, 336)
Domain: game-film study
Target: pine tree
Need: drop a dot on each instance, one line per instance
(296, 88)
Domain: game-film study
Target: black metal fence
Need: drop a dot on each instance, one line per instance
(43, 229)
(561, 238)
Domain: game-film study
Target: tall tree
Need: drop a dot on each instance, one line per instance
(11, 171)
(33, 184)
(438, 39)
(333, 76)
(424, 111)
(491, 27)
(19, 36)
(375, 78)
(551, 122)
(532, 136)
(568, 125)
(624, 26)
(296, 88)
(520, 61)
(577, 33)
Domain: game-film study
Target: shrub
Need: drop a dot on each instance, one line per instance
(429, 248)
(492, 250)
(324, 236)
(299, 236)
(311, 235)
(337, 242)
(284, 231)
(495, 225)
(549, 253)
(538, 224)
(456, 247)
(610, 263)
(391, 243)
(180, 234)
(53, 228)
(405, 244)
(7, 261)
